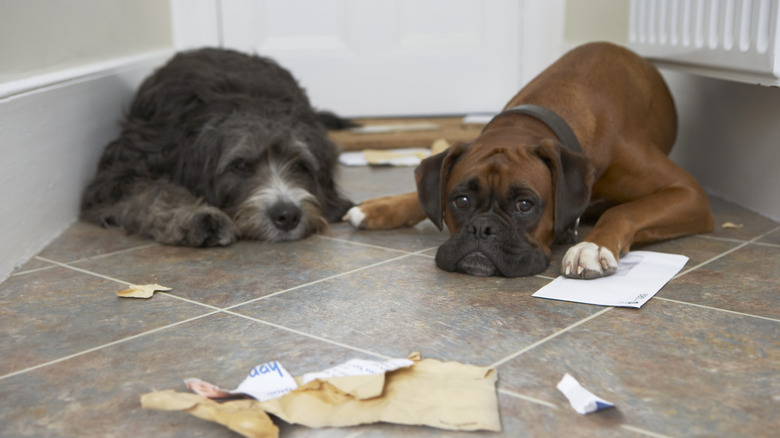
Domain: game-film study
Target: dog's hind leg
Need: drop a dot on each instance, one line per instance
(167, 213)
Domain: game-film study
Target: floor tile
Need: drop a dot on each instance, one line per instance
(410, 305)
(98, 394)
(244, 271)
(750, 224)
(83, 240)
(59, 312)
(422, 236)
(746, 280)
(670, 368)
(772, 238)
(363, 183)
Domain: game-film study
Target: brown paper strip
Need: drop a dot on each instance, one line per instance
(141, 291)
(245, 416)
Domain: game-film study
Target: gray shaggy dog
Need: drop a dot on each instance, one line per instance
(218, 146)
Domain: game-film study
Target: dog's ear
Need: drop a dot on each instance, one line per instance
(431, 176)
(573, 176)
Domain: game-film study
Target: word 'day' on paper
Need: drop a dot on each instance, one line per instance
(267, 381)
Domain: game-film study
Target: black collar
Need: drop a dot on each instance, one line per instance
(551, 119)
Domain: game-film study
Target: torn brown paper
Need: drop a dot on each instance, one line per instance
(245, 416)
(446, 395)
(141, 291)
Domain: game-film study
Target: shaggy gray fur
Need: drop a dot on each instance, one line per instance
(217, 146)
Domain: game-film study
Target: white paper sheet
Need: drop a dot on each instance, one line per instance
(640, 275)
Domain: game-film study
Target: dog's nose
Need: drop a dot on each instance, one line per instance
(482, 228)
(285, 216)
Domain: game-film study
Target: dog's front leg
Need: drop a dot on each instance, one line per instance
(387, 213)
(671, 212)
(169, 214)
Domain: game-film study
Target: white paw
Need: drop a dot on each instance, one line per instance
(588, 260)
(355, 217)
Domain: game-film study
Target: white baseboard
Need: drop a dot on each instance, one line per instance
(52, 130)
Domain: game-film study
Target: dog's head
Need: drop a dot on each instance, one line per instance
(504, 199)
(274, 176)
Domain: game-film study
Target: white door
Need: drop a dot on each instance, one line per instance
(394, 57)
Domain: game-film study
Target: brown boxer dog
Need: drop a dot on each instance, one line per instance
(592, 129)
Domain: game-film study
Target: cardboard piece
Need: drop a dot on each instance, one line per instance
(245, 417)
(141, 291)
(414, 391)
(445, 395)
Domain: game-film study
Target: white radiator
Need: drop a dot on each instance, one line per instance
(728, 39)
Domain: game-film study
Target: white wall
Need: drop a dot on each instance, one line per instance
(729, 139)
(68, 69)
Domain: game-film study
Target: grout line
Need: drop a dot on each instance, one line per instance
(113, 253)
(725, 253)
(368, 245)
(554, 335)
(84, 259)
(769, 244)
(717, 309)
(32, 271)
(643, 431)
(95, 274)
(528, 399)
(308, 335)
(170, 295)
(320, 280)
(106, 345)
(84, 271)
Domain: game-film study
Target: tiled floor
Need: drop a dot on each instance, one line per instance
(702, 358)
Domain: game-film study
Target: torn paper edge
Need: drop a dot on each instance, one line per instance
(271, 380)
(582, 400)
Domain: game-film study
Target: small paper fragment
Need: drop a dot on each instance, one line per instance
(731, 225)
(582, 400)
(267, 381)
(141, 291)
(244, 417)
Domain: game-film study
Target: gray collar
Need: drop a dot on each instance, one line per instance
(551, 119)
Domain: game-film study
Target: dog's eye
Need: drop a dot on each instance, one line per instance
(241, 166)
(299, 167)
(524, 206)
(462, 202)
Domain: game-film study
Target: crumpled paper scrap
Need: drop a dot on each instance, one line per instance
(141, 291)
(445, 395)
(245, 417)
(582, 400)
